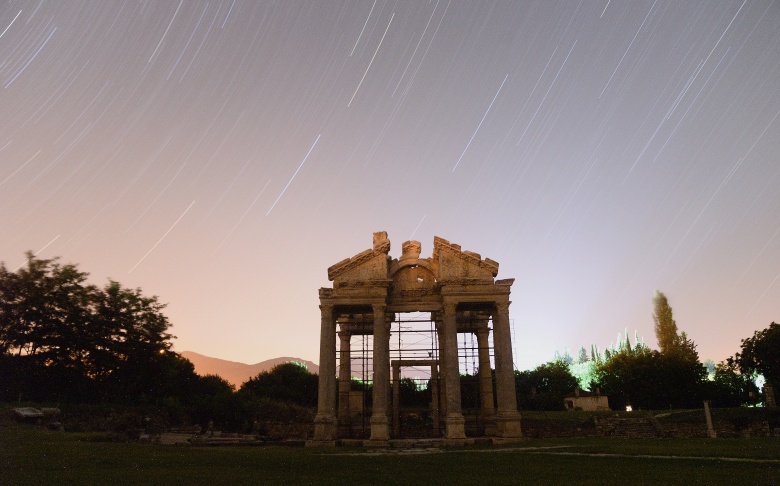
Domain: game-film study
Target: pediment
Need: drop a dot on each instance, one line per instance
(449, 264)
(366, 266)
(455, 264)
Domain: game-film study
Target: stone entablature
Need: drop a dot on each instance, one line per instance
(458, 288)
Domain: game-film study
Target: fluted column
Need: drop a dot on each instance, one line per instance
(379, 422)
(345, 375)
(507, 416)
(455, 422)
(325, 420)
(485, 378)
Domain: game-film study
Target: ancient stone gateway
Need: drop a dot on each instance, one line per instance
(458, 290)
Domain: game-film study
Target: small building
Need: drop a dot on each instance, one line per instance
(586, 401)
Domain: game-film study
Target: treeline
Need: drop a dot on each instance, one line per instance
(671, 377)
(64, 341)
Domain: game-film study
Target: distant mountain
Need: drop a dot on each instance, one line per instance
(238, 373)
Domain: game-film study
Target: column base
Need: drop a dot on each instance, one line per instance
(324, 428)
(379, 428)
(455, 426)
(490, 425)
(508, 425)
(320, 443)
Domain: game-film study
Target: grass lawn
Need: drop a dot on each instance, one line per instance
(33, 455)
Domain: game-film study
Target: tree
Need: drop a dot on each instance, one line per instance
(544, 387)
(649, 379)
(629, 379)
(64, 339)
(582, 356)
(677, 349)
(637, 376)
(43, 311)
(44, 326)
(761, 355)
(730, 388)
(412, 394)
(665, 326)
(287, 382)
(129, 329)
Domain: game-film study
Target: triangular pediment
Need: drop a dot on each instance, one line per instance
(455, 264)
(366, 266)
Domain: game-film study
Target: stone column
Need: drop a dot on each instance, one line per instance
(710, 429)
(435, 399)
(769, 395)
(442, 378)
(379, 422)
(455, 423)
(325, 420)
(507, 416)
(345, 376)
(487, 408)
(396, 400)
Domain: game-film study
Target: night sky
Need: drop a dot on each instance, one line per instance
(223, 154)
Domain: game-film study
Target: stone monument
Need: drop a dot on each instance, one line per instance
(459, 290)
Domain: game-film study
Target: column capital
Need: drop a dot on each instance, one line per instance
(482, 330)
(379, 307)
(326, 309)
(502, 306)
(449, 307)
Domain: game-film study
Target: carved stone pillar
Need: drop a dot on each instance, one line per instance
(507, 416)
(485, 379)
(442, 378)
(345, 376)
(455, 423)
(396, 400)
(325, 420)
(379, 422)
(435, 407)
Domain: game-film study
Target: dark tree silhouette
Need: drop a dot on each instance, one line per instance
(544, 387)
(644, 378)
(65, 340)
(761, 355)
(729, 387)
(287, 382)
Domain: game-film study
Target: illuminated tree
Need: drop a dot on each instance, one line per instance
(665, 326)
(638, 376)
(761, 354)
(730, 388)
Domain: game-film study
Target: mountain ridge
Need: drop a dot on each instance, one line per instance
(235, 372)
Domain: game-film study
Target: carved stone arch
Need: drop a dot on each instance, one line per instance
(398, 265)
(413, 275)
